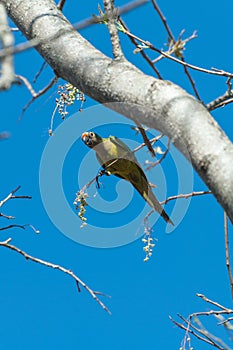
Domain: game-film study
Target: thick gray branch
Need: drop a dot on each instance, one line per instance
(158, 104)
(7, 41)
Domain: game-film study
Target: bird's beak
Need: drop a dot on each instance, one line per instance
(85, 137)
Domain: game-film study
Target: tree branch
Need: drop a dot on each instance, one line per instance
(228, 262)
(7, 40)
(56, 267)
(112, 16)
(155, 103)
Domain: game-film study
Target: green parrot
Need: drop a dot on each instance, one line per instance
(117, 159)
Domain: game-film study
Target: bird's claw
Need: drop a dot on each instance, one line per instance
(101, 173)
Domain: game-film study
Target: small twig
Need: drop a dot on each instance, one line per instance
(97, 19)
(12, 196)
(27, 84)
(20, 226)
(12, 226)
(176, 47)
(200, 331)
(112, 16)
(216, 342)
(152, 141)
(164, 20)
(203, 297)
(221, 104)
(37, 95)
(145, 139)
(211, 312)
(142, 53)
(193, 194)
(21, 197)
(191, 80)
(103, 294)
(6, 216)
(7, 40)
(57, 267)
(228, 262)
(214, 71)
(172, 39)
(43, 66)
(178, 196)
(187, 329)
(61, 4)
(153, 164)
(225, 321)
(9, 196)
(221, 101)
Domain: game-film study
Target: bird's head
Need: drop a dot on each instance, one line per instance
(91, 139)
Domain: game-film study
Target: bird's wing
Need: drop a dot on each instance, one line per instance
(123, 150)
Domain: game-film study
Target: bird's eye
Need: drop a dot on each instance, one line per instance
(91, 134)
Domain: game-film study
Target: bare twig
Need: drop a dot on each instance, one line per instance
(43, 66)
(23, 227)
(112, 16)
(225, 321)
(203, 297)
(7, 40)
(97, 19)
(213, 71)
(180, 42)
(153, 164)
(144, 55)
(188, 330)
(7, 216)
(178, 196)
(145, 139)
(57, 267)
(12, 226)
(152, 141)
(37, 95)
(199, 330)
(215, 341)
(11, 195)
(61, 4)
(221, 101)
(228, 262)
(27, 84)
(193, 194)
(191, 80)
(164, 20)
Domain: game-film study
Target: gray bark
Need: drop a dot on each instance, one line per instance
(158, 104)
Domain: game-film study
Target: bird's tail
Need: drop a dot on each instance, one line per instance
(153, 202)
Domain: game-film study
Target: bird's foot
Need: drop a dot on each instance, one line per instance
(101, 173)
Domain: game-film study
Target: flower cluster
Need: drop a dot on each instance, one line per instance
(148, 241)
(81, 204)
(68, 95)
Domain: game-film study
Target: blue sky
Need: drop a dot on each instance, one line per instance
(40, 307)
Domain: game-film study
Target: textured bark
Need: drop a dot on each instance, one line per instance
(159, 104)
